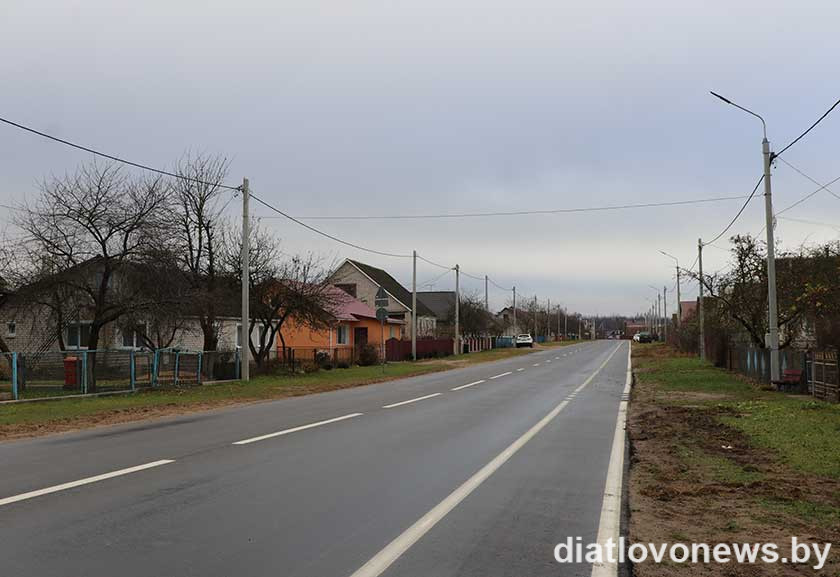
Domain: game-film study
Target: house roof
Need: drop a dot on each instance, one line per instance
(392, 286)
(440, 302)
(347, 308)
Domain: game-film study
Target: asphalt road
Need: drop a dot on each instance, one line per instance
(483, 480)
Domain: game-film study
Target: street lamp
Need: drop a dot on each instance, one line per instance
(771, 248)
(679, 305)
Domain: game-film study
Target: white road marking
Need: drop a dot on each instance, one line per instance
(468, 385)
(610, 523)
(519, 369)
(558, 358)
(80, 482)
(548, 361)
(296, 429)
(536, 364)
(411, 401)
(402, 543)
(502, 375)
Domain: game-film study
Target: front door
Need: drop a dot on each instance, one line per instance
(360, 336)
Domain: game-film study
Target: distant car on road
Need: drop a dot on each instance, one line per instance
(643, 338)
(524, 341)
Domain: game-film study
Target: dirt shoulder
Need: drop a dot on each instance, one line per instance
(19, 420)
(716, 459)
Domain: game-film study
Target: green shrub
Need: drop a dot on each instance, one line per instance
(368, 355)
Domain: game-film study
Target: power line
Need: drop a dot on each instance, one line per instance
(498, 286)
(798, 138)
(433, 263)
(807, 196)
(811, 179)
(434, 281)
(324, 234)
(116, 158)
(522, 212)
(814, 222)
(728, 226)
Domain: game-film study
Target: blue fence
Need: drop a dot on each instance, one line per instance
(55, 374)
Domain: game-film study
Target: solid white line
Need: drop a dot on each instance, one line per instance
(502, 375)
(467, 385)
(411, 401)
(610, 523)
(80, 482)
(382, 560)
(296, 429)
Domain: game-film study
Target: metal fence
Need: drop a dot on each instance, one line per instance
(175, 368)
(824, 376)
(755, 363)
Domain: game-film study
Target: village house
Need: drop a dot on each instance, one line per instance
(363, 281)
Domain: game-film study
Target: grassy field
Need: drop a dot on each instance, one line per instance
(719, 458)
(27, 419)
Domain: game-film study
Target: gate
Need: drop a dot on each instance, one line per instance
(823, 376)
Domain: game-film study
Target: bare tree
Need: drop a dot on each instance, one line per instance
(282, 290)
(198, 230)
(87, 229)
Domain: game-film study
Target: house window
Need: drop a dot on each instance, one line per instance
(349, 288)
(132, 338)
(391, 331)
(11, 329)
(77, 335)
(343, 334)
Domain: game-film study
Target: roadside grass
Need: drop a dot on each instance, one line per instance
(27, 419)
(715, 454)
(157, 401)
(549, 344)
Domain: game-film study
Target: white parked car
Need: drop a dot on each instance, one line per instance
(524, 341)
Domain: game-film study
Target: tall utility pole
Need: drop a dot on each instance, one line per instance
(565, 324)
(665, 310)
(535, 316)
(414, 306)
(679, 302)
(658, 316)
(700, 305)
(515, 328)
(457, 309)
(486, 308)
(580, 329)
(245, 349)
(772, 302)
(775, 375)
(548, 320)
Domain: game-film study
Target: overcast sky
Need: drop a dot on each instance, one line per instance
(358, 107)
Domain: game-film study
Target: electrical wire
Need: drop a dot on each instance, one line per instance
(324, 234)
(810, 178)
(433, 263)
(814, 222)
(798, 138)
(434, 281)
(728, 226)
(498, 286)
(116, 158)
(522, 212)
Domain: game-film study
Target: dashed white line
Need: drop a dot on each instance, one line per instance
(80, 482)
(467, 385)
(519, 369)
(502, 375)
(296, 429)
(536, 364)
(548, 361)
(391, 406)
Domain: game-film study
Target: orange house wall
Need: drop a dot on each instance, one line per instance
(297, 335)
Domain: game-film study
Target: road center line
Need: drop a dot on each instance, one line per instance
(382, 560)
(536, 364)
(502, 375)
(519, 369)
(411, 401)
(296, 429)
(80, 482)
(468, 385)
